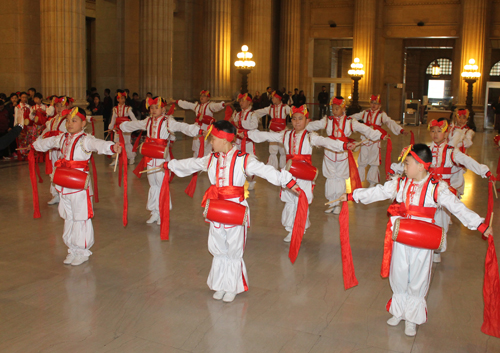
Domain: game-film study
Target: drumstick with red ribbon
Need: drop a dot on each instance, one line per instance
(333, 201)
(150, 170)
(116, 161)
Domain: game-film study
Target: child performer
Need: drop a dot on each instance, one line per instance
(278, 113)
(122, 113)
(204, 118)
(159, 127)
(75, 206)
(369, 154)
(419, 195)
(298, 145)
(54, 127)
(227, 169)
(29, 133)
(336, 164)
(244, 121)
(38, 113)
(461, 135)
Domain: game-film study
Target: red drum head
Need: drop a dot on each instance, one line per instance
(419, 234)
(153, 150)
(70, 178)
(226, 212)
(302, 170)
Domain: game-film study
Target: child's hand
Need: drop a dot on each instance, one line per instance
(117, 148)
(296, 190)
(488, 232)
(406, 133)
(386, 137)
(171, 101)
(241, 135)
(343, 197)
(351, 146)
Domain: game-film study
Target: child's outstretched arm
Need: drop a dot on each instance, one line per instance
(263, 111)
(469, 218)
(470, 163)
(317, 125)
(190, 130)
(378, 193)
(392, 125)
(263, 136)
(371, 134)
(131, 126)
(92, 144)
(188, 166)
(281, 178)
(328, 143)
(43, 145)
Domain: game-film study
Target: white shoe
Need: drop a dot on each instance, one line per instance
(154, 218)
(219, 295)
(337, 210)
(251, 185)
(393, 321)
(330, 210)
(410, 329)
(131, 161)
(436, 257)
(79, 259)
(159, 220)
(112, 164)
(69, 259)
(288, 238)
(228, 297)
(54, 200)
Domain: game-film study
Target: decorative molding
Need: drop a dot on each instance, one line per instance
(420, 2)
(319, 4)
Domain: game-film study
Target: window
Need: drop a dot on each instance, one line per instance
(495, 70)
(444, 64)
(439, 89)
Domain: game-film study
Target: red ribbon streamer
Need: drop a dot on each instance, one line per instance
(491, 292)
(228, 113)
(191, 188)
(395, 209)
(388, 158)
(353, 172)
(48, 163)
(299, 226)
(37, 168)
(165, 206)
(490, 205)
(350, 279)
(136, 144)
(412, 138)
(123, 165)
(93, 127)
(34, 186)
(94, 178)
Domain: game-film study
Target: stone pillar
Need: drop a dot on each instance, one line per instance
(473, 37)
(156, 45)
(258, 35)
(217, 49)
(365, 12)
(63, 49)
(290, 44)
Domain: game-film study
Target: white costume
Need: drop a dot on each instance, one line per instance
(159, 131)
(336, 164)
(460, 137)
(369, 154)
(75, 206)
(51, 111)
(278, 115)
(204, 117)
(410, 270)
(122, 113)
(227, 242)
(54, 127)
(298, 147)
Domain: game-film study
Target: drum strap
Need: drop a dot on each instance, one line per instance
(299, 157)
(291, 147)
(419, 210)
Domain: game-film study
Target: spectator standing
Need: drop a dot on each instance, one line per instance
(295, 98)
(4, 128)
(265, 101)
(256, 100)
(301, 99)
(323, 99)
(107, 105)
(97, 107)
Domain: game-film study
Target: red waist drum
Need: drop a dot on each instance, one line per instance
(302, 170)
(419, 234)
(40, 117)
(154, 150)
(120, 120)
(226, 212)
(207, 119)
(277, 125)
(70, 178)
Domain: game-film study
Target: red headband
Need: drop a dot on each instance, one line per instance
(443, 124)
(463, 112)
(152, 101)
(302, 110)
(121, 94)
(74, 112)
(244, 96)
(375, 98)
(338, 101)
(427, 165)
(63, 100)
(220, 134)
(206, 93)
(409, 150)
(274, 94)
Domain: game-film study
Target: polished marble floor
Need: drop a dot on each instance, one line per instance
(139, 294)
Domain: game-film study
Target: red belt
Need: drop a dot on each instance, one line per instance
(277, 125)
(72, 164)
(223, 193)
(420, 211)
(162, 142)
(121, 120)
(205, 119)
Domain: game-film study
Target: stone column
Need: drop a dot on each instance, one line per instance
(365, 12)
(63, 49)
(217, 49)
(258, 35)
(290, 44)
(473, 37)
(156, 45)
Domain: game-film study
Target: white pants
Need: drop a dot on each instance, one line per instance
(442, 218)
(336, 171)
(78, 230)
(128, 144)
(369, 156)
(54, 156)
(228, 272)
(274, 148)
(196, 147)
(155, 179)
(291, 201)
(410, 276)
(458, 181)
